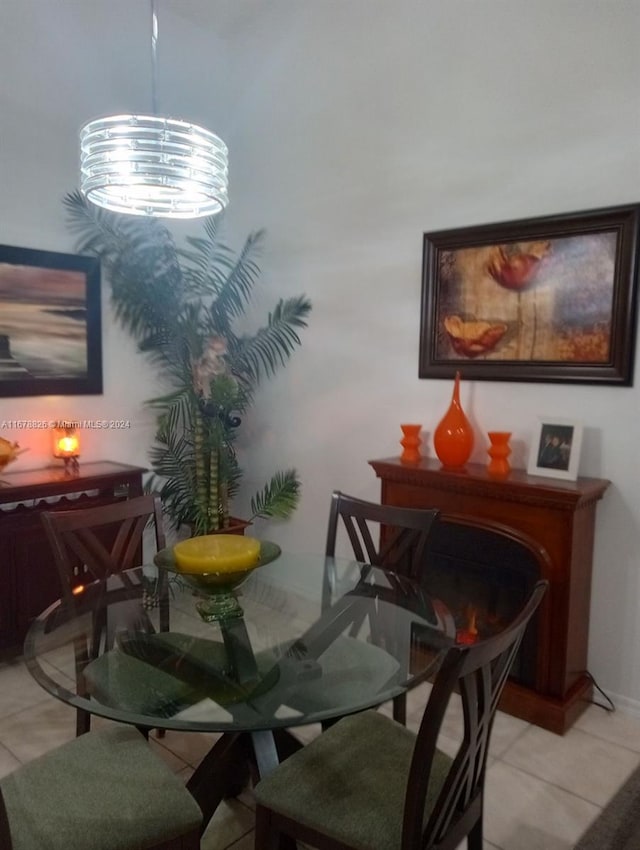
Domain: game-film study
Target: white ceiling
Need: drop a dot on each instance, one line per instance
(224, 17)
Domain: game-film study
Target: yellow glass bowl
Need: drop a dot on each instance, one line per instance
(217, 553)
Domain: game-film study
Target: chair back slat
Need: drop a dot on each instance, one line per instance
(361, 550)
(386, 536)
(405, 546)
(103, 540)
(127, 542)
(479, 673)
(89, 552)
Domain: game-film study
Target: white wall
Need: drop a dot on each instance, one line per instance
(354, 127)
(359, 125)
(63, 62)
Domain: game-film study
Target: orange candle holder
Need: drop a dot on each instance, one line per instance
(410, 443)
(499, 451)
(66, 445)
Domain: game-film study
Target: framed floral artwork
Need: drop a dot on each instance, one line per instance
(543, 299)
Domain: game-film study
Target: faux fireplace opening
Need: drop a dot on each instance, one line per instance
(484, 575)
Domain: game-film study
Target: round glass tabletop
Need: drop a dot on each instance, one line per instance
(354, 638)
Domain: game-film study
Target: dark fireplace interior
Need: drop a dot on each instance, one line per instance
(484, 576)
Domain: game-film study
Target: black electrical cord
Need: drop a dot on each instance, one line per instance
(610, 706)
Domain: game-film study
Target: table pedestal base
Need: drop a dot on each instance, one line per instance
(235, 759)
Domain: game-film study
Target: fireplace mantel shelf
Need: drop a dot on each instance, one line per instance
(473, 478)
(559, 517)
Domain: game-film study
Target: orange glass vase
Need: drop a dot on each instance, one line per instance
(499, 451)
(410, 443)
(453, 438)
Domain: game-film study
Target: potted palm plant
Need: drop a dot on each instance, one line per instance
(182, 305)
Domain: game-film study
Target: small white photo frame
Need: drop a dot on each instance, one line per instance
(555, 449)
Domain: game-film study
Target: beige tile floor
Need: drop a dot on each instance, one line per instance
(542, 790)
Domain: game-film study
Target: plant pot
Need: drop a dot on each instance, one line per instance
(236, 526)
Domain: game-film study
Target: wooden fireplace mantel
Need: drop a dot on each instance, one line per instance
(559, 516)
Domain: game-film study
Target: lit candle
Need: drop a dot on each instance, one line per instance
(66, 445)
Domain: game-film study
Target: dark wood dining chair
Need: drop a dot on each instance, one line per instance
(105, 790)
(370, 782)
(404, 538)
(96, 544)
(386, 536)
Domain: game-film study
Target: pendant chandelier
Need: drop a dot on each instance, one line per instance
(154, 166)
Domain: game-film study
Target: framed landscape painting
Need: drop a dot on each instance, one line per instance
(544, 299)
(50, 326)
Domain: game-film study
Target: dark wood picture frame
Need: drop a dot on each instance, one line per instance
(50, 323)
(549, 299)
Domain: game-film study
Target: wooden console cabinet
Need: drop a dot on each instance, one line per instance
(28, 577)
(560, 516)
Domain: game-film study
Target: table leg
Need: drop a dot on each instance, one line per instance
(223, 772)
(286, 743)
(264, 748)
(233, 760)
(268, 756)
(239, 650)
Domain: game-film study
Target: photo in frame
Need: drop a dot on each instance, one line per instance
(50, 323)
(548, 299)
(555, 448)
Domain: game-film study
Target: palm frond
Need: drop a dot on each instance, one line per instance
(236, 292)
(279, 498)
(98, 231)
(206, 268)
(173, 467)
(271, 347)
(230, 471)
(140, 259)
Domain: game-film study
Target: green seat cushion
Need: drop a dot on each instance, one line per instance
(105, 790)
(350, 782)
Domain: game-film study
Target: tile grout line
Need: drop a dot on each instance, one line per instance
(554, 784)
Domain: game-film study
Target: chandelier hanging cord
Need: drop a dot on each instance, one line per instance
(152, 165)
(154, 58)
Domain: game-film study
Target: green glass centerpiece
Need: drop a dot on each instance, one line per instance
(215, 566)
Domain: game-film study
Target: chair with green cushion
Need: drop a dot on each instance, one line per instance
(368, 783)
(105, 790)
(387, 536)
(94, 544)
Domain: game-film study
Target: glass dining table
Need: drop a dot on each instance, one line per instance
(352, 638)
